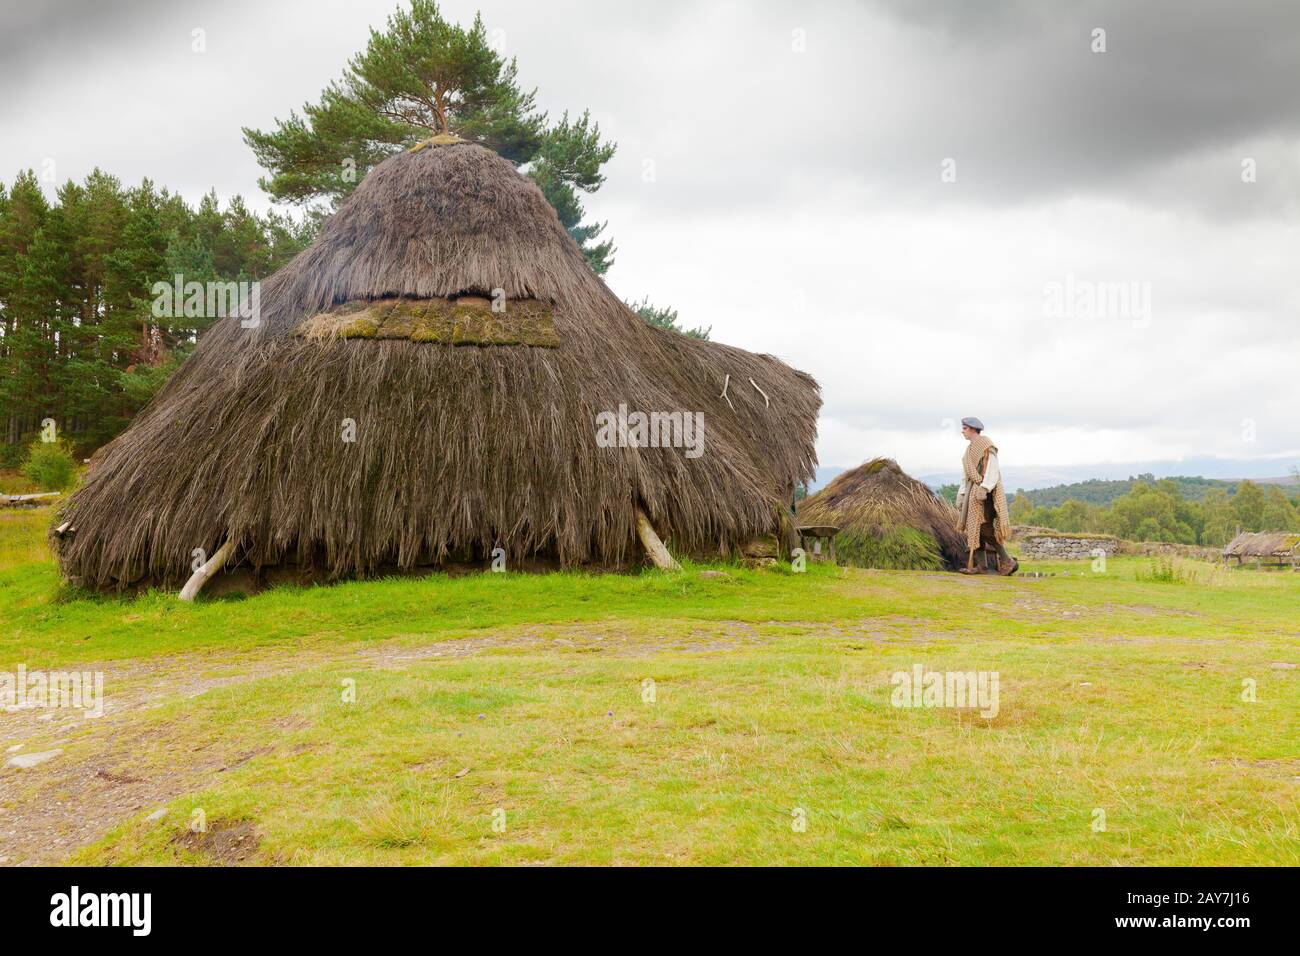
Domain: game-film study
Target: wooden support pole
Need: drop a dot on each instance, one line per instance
(654, 546)
(200, 577)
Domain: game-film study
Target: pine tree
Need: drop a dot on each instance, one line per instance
(25, 211)
(424, 76)
(663, 317)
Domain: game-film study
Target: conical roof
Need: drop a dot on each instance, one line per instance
(436, 222)
(424, 383)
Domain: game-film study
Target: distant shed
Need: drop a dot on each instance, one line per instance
(1265, 547)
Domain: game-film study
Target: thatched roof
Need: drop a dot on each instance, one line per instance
(887, 519)
(1263, 544)
(474, 428)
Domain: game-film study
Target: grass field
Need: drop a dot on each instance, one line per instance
(660, 719)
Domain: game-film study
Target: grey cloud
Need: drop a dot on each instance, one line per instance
(1010, 91)
(35, 34)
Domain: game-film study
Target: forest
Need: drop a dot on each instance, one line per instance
(1159, 510)
(81, 348)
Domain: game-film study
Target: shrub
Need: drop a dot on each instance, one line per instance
(1165, 571)
(11, 456)
(51, 466)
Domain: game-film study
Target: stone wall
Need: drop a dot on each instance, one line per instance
(1058, 546)
(1046, 544)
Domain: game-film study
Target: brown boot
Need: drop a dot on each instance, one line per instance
(970, 564)
(1008, 567)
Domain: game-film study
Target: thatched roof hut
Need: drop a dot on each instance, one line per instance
(471, 428)
(1281, 547)
(887, 519)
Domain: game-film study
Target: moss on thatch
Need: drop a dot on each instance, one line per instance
(887, 520)
(454, 451)
(467, 320)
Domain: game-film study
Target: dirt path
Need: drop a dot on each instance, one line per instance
(86, 777)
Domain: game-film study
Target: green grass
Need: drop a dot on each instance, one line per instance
(527, 695)
(899, 548)
(22, 540)
(14, 482)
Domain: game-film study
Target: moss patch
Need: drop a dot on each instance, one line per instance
(468, 320)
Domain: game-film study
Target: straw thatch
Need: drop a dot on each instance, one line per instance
(1264, 544)
(887, 519)
(464, 440)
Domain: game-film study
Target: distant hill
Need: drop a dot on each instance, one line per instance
(1020, 475)
(1098, 492)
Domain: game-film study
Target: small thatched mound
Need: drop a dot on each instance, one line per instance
(423, 388)
(887, 519)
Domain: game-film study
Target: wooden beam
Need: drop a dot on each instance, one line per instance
(654, 546)
(200, 577)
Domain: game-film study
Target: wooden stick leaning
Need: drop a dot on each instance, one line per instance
(200, 577)
(654, 546)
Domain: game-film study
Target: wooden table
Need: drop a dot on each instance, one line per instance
(820, 535)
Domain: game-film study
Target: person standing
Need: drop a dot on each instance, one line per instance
(982, 501)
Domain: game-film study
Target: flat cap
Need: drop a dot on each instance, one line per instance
(973, 422)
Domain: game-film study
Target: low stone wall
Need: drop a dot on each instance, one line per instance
(1046, 544)
(1058, 546)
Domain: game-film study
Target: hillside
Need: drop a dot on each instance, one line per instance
(1098, 492)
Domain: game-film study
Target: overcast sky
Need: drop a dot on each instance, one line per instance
(913, 201)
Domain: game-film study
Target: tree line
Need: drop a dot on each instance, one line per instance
(1159, 511)
(1097, 491)
(81, 350)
